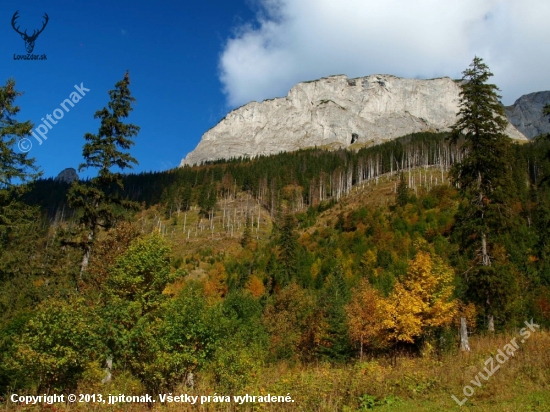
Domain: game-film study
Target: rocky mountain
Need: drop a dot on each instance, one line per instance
(68, 175)
(526, 114)
(334, 112)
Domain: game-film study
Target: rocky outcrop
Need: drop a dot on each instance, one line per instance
(68, 175)
(334, 112)
(526, 114)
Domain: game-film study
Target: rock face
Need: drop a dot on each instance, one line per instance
(334, 112)
(526, 114)
(68, 175)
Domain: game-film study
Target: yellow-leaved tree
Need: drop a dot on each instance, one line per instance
(422, 302)
(418, 305)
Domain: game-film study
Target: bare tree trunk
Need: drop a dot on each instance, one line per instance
(84, 262)
(258, 227)
(87, 254)
(490, 323)
(189, 380)
(108, 367)
(464, 345)
(485, 259)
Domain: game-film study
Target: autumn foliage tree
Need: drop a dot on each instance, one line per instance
(107, 251)
(255, 286)
(418, 305)
(365, 316)
(289, 320)
(422, 302)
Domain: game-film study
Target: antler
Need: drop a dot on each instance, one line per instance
(35, 33)
(15, 16)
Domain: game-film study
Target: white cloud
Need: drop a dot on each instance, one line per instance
(296, 40)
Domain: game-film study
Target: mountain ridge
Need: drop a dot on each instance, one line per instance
(334, 111)
(526, 114)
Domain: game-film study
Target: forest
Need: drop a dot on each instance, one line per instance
(340, 277)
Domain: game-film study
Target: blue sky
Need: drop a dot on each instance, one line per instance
(171, 49)
(192, 62)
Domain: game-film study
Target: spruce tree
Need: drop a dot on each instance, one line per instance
(17, 220)
(288, 246)
(186, 197)
(402, 196)
(247, 233)
(335, 343)
(15, 168)
(99, 200)
(207, 199)
(483, 178)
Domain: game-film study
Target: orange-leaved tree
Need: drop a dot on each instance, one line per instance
(365, 316)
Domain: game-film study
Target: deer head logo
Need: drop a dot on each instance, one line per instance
(29, 40)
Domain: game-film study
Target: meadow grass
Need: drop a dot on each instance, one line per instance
(405, 383)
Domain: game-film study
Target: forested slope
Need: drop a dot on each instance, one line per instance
(341, 276)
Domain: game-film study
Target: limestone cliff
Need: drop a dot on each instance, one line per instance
(526, 114)
(334, 112)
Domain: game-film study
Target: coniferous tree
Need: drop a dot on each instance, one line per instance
(288, 250)
(335, 343)
(15, 168)
(186, 197)
(402, 196)
(16, 218)
(247, 234)
(99, 200)
(483, 178)
(207, 199)
(20, 229)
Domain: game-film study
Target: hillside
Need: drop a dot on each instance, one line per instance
(240, 277)
(362, 233)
